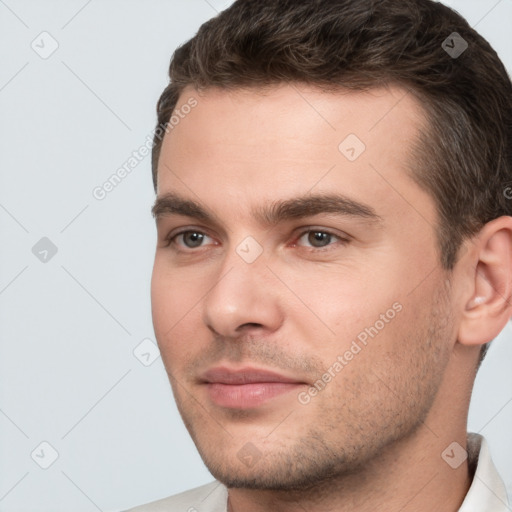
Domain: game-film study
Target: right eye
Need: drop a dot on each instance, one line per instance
(189, 239)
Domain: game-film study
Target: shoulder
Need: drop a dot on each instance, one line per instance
(207, 498)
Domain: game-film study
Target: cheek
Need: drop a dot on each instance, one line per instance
(174, 293)
(175, 308)
(334, 306)
(381, 361)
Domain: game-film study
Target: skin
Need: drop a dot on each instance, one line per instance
(372, 439)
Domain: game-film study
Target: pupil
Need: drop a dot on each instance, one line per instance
(193, 239)
(319, 239)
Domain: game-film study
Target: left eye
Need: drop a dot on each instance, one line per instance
(318, 239)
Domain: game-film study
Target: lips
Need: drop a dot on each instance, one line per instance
(243, 376)
(247, 387)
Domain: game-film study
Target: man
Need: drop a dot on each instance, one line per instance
(334, 254)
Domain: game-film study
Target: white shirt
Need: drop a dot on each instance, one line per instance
(486, 494)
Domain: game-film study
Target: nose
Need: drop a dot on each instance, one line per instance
(243, 300)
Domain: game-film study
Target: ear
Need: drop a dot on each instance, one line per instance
(488, 304)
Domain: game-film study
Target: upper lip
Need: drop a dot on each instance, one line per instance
(222, 375)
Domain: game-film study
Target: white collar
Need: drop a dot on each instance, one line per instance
(487, 492)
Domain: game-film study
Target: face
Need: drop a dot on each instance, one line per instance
(297, 295)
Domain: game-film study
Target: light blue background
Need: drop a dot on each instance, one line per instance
(69, 326)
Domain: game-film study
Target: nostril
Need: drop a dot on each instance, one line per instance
(249, 325)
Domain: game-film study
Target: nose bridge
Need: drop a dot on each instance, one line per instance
(242, 293)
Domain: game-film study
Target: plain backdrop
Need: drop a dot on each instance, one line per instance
(86, 422)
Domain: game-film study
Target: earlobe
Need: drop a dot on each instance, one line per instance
(488, 307)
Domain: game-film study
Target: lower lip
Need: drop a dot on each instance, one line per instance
(245, 396)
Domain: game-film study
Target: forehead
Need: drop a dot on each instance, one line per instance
(272, 110)
(245, 146)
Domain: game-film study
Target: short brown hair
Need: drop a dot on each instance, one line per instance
(463, 158)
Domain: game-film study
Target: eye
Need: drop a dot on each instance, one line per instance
(190, 239)
(318, 238)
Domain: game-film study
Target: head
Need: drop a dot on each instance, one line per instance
(330, 207)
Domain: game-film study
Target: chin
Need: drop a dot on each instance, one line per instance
(293, 470)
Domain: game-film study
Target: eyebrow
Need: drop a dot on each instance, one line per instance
(274, 212)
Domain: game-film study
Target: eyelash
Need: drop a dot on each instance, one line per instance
(171, 240)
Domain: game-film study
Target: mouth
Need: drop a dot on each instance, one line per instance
(246, 388)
